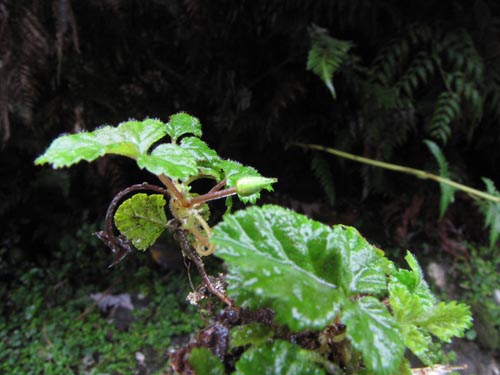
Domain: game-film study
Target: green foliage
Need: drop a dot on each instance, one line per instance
(491, 211)
(204, 362)
(131, 138)
(142, 219)
(250, 334)
(326, 56)
(311, 277)
(282, 260)
(479, 287)
(419, 315)
(447, 191)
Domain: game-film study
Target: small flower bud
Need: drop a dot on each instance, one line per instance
(246, 186)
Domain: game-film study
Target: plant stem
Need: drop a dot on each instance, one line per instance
(399, 168)
(212, 195)
(192, 255)
(173, 190)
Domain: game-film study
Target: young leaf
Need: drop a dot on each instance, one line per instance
(182, 123)
(253, 333)
(446, 320)
(130, 138)
(171, 160)
(374, 332)
(204, 362)
(447, 191)
(142, 219)
(413, 280)
(326, 56)
(277, 358)
(283, 260)
(491, 211)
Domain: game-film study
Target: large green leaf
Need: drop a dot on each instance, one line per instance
(204, 362)
(130, 138)
(277, 358)
(281, 259)
(171, 160)
(301, 268)
(183, 123)
(142, 219)
(374, 332)
(447, 191)
(361, 268)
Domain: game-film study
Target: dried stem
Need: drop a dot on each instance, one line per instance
(192, 255)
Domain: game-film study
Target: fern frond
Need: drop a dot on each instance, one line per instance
(421, 71)
(447, 191)
(326, 56)
(390, 62)
(446, 111)
(459, 83)
(323, 174)
(459, 53)
(491, 212)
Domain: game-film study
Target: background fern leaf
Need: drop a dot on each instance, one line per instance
(326, 56)
(323, 174)
(447, 191)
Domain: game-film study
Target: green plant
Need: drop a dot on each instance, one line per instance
(302, 297)
(478, 280)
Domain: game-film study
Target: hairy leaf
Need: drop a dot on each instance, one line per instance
(413, 280)
(198, 149)
(415, 309)
(253, 333)
(326, 56)
(301, 268)
(374, 332)
(204, 362)
(361, 264)
(447, 191)
(283, 260)
(142, 219)
(183, 123)
(171, 160)
(130, 138)
(277, 358)
(446, 320)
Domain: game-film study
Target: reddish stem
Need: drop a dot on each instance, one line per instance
(210, 196)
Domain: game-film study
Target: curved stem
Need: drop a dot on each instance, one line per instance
(399, 168)
(191, 254)
(109, 238)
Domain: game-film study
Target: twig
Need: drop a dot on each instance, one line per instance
(193, 256)
(474, 193)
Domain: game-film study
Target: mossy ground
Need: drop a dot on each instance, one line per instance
(48, 324)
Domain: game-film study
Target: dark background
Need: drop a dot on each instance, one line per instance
(240, 67)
